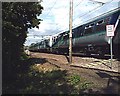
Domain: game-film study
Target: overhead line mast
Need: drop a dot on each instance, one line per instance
(70, 28)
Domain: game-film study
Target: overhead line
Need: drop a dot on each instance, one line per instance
(88, 11)
(94, 10)
(83, 14)
(74, 8)
(52, 7)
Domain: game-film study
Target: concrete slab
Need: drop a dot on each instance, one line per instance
(101, 65)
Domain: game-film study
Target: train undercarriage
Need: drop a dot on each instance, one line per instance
(98, 50)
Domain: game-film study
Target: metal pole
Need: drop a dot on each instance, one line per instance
(111, 50)
(70, 33)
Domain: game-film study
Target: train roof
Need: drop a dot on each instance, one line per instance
(92, 19)
(100, 16)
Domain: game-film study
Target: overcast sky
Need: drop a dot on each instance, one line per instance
(55, 16)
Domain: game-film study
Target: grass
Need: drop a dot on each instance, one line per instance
(79, 83)
(33, 80)
(24, 56)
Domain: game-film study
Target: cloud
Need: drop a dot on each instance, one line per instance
(56, 15)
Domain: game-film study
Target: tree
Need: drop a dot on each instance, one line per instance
(17, 17)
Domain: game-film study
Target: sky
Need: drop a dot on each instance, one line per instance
(55, 16)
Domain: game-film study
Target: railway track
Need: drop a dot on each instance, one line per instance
(80, 60)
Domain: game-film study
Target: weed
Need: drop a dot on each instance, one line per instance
(74, 79)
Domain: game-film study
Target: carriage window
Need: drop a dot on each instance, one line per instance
(87, 26)
(91, 25)
(100, 22)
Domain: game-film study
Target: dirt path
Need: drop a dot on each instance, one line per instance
(104, 81)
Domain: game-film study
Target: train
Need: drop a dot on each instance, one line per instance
(87, 38)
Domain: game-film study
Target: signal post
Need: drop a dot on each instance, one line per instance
(110, 33)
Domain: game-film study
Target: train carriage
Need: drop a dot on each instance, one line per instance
(89, 37)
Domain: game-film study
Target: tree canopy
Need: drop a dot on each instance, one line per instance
(17, 17)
